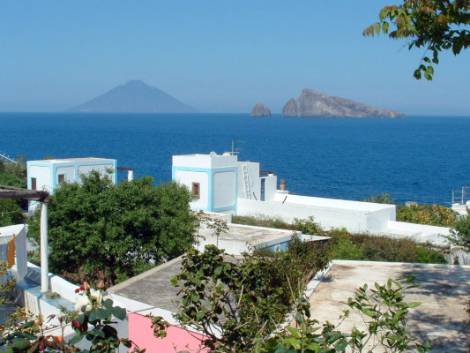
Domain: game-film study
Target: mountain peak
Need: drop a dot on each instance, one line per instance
(135, 96)
(135, 83)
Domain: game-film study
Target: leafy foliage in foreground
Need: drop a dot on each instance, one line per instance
(384, 312)
(99, 231)
(434, 25)
(93, 322)
(236, 302)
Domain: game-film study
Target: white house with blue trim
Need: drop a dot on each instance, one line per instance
(48, 174)
(217, 181)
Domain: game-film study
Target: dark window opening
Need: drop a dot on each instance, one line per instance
(263, 189)
(61, 178)
(195, 191)
(33, 184)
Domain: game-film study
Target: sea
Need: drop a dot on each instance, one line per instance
(417, 158)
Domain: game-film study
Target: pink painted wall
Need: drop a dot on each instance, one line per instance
(177, 339)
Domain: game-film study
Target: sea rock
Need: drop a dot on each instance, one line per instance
(291, 108)
(260, 110)
(312, 103)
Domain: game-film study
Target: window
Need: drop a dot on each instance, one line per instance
(61, 178)
(195, 191)
(33, 184)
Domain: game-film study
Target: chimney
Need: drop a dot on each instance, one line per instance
(130, 175)
(282, 185)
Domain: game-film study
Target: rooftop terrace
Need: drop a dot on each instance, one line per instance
(152, 287)
(443, 291)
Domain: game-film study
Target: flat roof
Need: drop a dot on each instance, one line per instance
(331, 203)
(72, 160)
(257, 235)
(153, 287)
(443, 291)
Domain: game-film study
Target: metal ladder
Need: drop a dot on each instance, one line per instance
(246, 182)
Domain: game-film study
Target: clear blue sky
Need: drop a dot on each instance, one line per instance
(219, 55)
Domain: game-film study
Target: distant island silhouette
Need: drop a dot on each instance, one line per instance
(135, 96)
(312, 103)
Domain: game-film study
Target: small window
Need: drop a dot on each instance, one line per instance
(33, 184)
(195, 191)
(61, 178)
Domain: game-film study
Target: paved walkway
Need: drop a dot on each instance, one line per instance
(443, 291)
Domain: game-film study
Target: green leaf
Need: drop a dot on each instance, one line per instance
(119, 313)
(77, 338)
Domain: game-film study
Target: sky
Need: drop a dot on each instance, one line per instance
(218, 56)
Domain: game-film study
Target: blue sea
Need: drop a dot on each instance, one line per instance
(415, 158)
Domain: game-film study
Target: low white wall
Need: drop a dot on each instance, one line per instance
(231, 246)
(420, 233)
(328, 217)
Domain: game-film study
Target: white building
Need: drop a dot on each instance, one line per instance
(222, 183)
(48, 174)
(218, 181)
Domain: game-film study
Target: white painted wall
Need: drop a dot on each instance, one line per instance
(270, 187)
(186, 178)
(420, 233)
(225, 189)
(43, 178)
(103, 169)
(69, 173)
(211, 160)
(354, 220)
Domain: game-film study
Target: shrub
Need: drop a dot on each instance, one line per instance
(384, 198)
(262, 222)
(307, 226)
(460, 235)
(343, 247)
(13, 174)
(101, 231)
(10, 213)
(426, 214)
(246, 299)
(379, 248)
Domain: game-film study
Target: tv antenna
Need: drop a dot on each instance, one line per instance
(235, 149)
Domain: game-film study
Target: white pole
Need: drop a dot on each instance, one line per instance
(44, 250)
(130, 175)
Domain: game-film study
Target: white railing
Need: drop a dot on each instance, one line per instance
(461, 196)
(7, 158)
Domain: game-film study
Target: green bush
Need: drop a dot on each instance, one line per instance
(10, 213)
(13, 174)
(460, 235)
(247, 298)
(435, 215)
(384, 198)
(262, 222)
(379, 248)
(101, 231)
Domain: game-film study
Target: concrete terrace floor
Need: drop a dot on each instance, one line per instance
(443, 293)
(153, 287)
